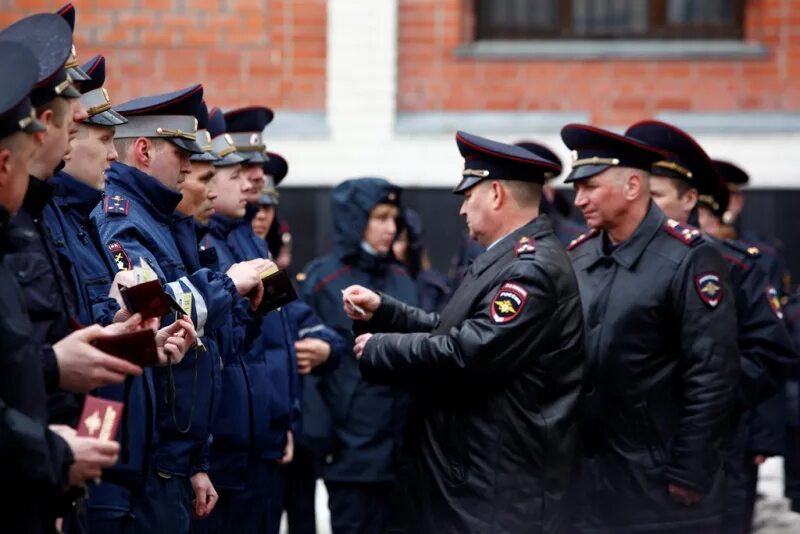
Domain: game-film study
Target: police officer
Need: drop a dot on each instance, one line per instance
(318, 349)
(686, 178)
(48, 295)
(554, 204)
(270, 363)
(137, 220)
(38, 462)
(497, 375)
(662, 365)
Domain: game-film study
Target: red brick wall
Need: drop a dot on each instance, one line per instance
(269, 52)
(431, 78)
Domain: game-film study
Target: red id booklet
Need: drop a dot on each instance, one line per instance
(100, 418)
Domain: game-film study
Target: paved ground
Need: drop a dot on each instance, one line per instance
(772, 511)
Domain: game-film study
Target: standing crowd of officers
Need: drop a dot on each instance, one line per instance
(630, 382)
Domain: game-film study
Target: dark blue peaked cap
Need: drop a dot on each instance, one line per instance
(685, 159)
(277, 167)
(95, 98)
(171, 116)
(73, 68)
(203, 137)
(485, 159)
(222, 144)
(246, 126)
(731, 173)
(16, 112)
(594, 150)
(216, 122)
(540, 150)
(48, 36)
(96, 69)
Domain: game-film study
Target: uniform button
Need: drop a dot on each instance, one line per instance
(329, 459)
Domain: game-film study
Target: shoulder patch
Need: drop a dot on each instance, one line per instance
(121, 258)
(525, 245)
(508, 302)
(685, 234)
(115, 205)
(774, 301)
(581, 239)
(709, 288)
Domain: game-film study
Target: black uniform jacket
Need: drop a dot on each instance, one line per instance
(661, 376)
(34, 462)
(497, 376)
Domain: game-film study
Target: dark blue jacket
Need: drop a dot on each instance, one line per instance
(138, 219)
(49, 298)
(275, 346)
(367, 420)
(91, 269)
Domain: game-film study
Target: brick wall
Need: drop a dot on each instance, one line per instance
(432, 78)
(269, 52)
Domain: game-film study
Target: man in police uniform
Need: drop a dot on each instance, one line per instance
(498, 374)
(38, 463)
(662, 362)
(685, 182)
(138, 220)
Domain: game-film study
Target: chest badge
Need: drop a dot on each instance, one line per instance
(709, 288)
(508, 302)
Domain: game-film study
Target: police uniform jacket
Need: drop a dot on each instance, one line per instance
(48, 294)
(497, 377)
(137, 218)
(90, 268)
(275, 344)
(661, 378)
(35, 462)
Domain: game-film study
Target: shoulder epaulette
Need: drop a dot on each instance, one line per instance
(525, 245)
(115, 205)
(685, 234)
(743, 248)
(581, 239)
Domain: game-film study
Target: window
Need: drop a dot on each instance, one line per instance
(609, 19)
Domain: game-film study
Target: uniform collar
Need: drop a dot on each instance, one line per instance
(72, 193)
(145, 189)
(538, 227)
(629, 251)
(37, 196)
(221, 226)
(201, 230)
(250, 212)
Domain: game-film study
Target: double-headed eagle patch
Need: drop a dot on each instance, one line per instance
(709, 287)
(508, 302)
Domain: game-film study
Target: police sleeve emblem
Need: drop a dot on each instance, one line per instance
(709, 288)
(121, 259)
(508, 302)
(774, 301)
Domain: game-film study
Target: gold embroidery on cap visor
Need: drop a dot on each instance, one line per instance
(63, 86)
(708, 200)
(594, 160)
(166, 132)
(674, 167)
(100, 108)
(27, 121)
(480, 173)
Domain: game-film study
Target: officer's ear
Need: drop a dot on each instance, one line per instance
(634, 185)
(498, 194)
(143, 151)
(5, 166)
